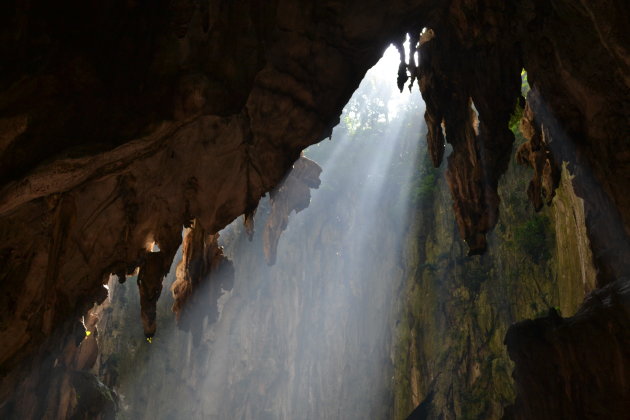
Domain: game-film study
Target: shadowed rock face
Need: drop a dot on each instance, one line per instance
(535, 153)
(578, 60)
(150, 287)
(202, 260)
(552, 360)
(122, 122)
(293, 194)
(454, 75)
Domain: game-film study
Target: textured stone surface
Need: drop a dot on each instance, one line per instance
(576, 56)
(463, 66)
(293, 194)
(202, 261)
(552, 360)
(450, 358)
(536, 154)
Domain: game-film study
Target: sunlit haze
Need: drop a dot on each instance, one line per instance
(309, 337)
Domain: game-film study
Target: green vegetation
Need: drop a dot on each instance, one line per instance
(517, 115)
(524, 83)
(535, 238)
(368, 113)
(425, 182)
(426, 186)
(456, 309)
(515, 120)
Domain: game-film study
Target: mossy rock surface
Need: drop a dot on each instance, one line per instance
(458, 308)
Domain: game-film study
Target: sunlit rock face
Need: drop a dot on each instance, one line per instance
(535, 153)
(122, 122)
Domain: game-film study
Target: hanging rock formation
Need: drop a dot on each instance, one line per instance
(536, 154)
(122, 122)
(462, 65)
(293, 194)
(150, 288)
(202, 261)
(450, 358)
(577, 57)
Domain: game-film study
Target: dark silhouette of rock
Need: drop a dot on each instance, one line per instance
(293, 194)
(559, 375)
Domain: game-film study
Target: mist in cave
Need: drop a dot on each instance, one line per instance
(310, 336)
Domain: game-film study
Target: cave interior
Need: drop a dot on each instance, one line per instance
(175, 144)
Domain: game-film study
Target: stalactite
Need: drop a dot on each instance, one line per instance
(201, 275)
(150, 286)
(248, 222)
(294, 194)
(536, 154)
(450, 79)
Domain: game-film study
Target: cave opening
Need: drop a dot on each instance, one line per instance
(304, 330)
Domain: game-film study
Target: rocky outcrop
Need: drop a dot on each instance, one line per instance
(558, 377)
(293, 194)
(576, 56)
(150, 288)
(461, 67)
(450, 359)
(536, 154)
(72, 388)
(202, 261)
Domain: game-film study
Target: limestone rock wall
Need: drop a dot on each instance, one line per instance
(450, 359)
(551, 359)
